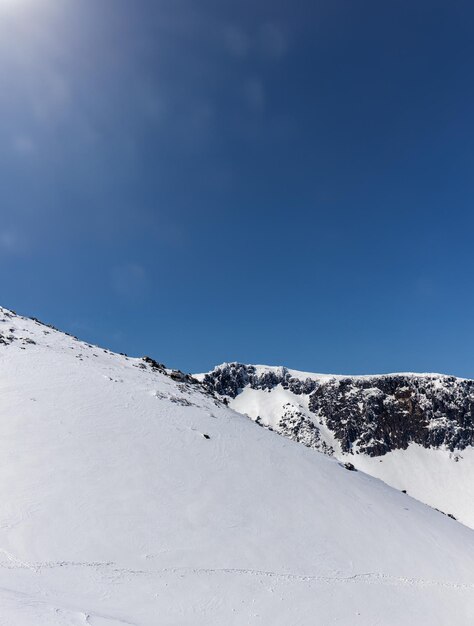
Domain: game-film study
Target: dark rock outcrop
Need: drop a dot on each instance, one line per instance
(367, 414)
(231, 378)
(377, 414)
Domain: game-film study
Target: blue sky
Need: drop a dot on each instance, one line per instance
(272, 182)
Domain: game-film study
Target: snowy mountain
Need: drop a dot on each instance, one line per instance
(414, 431)
(132, 495)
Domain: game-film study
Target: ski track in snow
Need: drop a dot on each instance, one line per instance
(367, 577)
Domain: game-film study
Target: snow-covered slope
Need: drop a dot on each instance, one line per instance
(414, 431)
(128, 497)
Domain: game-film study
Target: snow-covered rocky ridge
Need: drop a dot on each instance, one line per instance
(414, 431)
(130, 495)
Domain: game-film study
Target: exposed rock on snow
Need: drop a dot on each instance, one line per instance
(382, 413)
(374, 414)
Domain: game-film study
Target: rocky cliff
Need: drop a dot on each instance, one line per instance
(368, 414)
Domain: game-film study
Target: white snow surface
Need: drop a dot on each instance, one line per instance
(116, 510)
(438, 477)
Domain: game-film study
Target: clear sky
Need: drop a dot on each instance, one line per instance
(263, 181)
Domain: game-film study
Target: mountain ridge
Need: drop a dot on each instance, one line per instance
(368, 421)
(368, 412)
